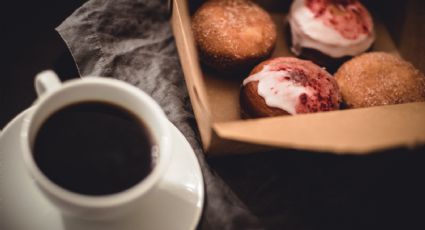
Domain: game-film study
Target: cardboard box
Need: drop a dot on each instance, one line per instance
(215, 102)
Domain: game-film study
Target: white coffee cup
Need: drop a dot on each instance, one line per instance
(52, 96)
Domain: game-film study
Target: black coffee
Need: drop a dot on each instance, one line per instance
(94, 148)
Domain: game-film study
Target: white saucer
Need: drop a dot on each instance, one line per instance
(176, 203)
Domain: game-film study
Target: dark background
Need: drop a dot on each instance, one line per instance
(298, 190)
(30, 44)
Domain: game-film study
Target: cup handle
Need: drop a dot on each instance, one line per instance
(46, 81)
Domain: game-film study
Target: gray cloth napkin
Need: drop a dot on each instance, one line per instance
(131, 40)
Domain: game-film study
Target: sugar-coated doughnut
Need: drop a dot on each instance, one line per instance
(233, 35)
(379, 78)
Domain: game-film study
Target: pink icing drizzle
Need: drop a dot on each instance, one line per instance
(349, 17)
(279, 89)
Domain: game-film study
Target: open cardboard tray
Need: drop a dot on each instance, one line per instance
(215, 102)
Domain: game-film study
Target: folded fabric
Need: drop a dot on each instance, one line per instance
(132, 41)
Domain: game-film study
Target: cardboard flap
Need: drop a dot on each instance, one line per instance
(188, 59)
(358, 132)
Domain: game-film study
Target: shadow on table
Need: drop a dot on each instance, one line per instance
(300, 190)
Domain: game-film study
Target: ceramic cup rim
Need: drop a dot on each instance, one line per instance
(161, 137)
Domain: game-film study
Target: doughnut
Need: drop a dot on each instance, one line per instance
(233, 35)
(329, 32)
(379, 78)
(288, 86)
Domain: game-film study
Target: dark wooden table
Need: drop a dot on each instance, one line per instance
(296, 190)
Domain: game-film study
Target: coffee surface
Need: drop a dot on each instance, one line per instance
(94, 148)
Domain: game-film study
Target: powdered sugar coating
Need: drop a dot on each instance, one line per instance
(232, 32)
(379, 78)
